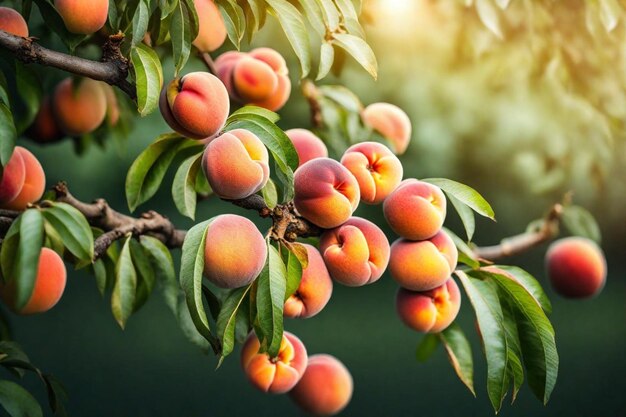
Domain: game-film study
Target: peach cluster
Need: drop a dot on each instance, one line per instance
(23, 180)
(391, 122)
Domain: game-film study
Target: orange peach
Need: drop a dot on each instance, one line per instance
(79, 107)
(277, 100)
(576, 267)
(211, 27)
(423, 265)
(356, 253)
(13, 22)
(12, 179)
(314, 290)
(391, 122)
(307, 144)
(326, 387)
(271, 58)
(45, 128)
(235, 251)
(376, 168)
(416, 210)
(254, 79)
(275, 375)
(224, 67)
(326, 193)
(429, 311)
(83, 17)
(34, 182)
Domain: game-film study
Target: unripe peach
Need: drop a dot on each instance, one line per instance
(13, 22)
(235, 251)
(326, 193)
(12, 179)
(308, 145)
(423, 265)
(34, 182)
(277, 375)
(83, 17)
(391, 122)
(356, 253)
(416, 210)
(325, 388)
(576, 267)
(376, 168)
(45, 128)
(211, 27)
(314, 290)
(429, 311)
(79, 108)
(195, 105)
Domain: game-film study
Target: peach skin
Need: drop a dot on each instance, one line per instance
(45, 128)
(224, 67)
(376, 168)
(211, 27)
(277, 375)
(34, 182)
(429, 311)
(254, 79)
(80, 107)
(83, 17)
(12, 21)
(326, 193)
(308, 145)
(356, 253)
(391, 122)
(12, 179)
(277, 100)
(423, 265)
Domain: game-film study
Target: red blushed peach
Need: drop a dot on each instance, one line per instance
(277, 100)
(272, 58)
(211, 27)
(34, 182)
(326, 193)
(416, 210)
(195, 105)
(83, 17)
(254, 80)
(45, 127)
(423, 265)
(376, 168)
(12, 179)
(308, 146)
(576, 267)
(13, 22)
(429, 311)
(391, 122)
(277, 375)
(314, 290)
(235, 251)
(325, 388)
(356, 253)
(224, 67)
(236, 164)
(79, 108)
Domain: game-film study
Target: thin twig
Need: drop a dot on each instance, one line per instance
(208, 61)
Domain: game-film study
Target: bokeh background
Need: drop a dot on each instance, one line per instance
(524, 105)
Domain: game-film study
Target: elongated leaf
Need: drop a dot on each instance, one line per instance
(427, 347)
(227, 319)
(527, 281)
(8, 134)
(466, 214)
(460, 354)
(145, 274)
(580, 222)
(254, 110)
(516, 370)
(466, 254)
(164, 270)
(342, 96)
(360, 51)
(291, 21)
(467, 195)
(294, 271)
(73, 229)
(18, 402)
(234, 20)
(184, 186)
(181, 34)
(188, 327)
(270, 299)
(270, 194)
(124, 290)
(315, 16)
(148, 77)
(27, 256)
(140, 22)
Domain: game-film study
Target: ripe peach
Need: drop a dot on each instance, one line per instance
(429, 311)
(277, 100)
(415, 210)
(235, 251)
(224, 67)
(277, 375)
(376, 168)
(391, 122)
(34, 182)
(271, 58)
(13, 22)
(79, 108)
(325, 388)
(212, 30)
(356, 253)
(49, 285)
(423, 265)
(308, 145)
(45, 128)
(12, 179)
(576, 267)
(195, 105)
(83, 17)
(315, 288)
(326, 193)
(254, 79)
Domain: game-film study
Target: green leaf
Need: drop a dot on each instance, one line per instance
(27, 257)
(148, 77)
(516, 369)
(181, 35)
(294, 268)
(530, 283)
(360, 51)
(72, 228)
(100, 272)
(18, 402)
(346, 7)
(291, 21)
(465, 194)
(8, 134)
(125, 288)
(184, 186)
(254, 110)
(187, 325)
(327, 56)
(227, 319)
(270, 194)
(163, 266)
(28, 84)
(427, 347)
(466, 254)
(460, 354)
(55, 22)
(342, 96)
(234, 19)
(315, 15)
(466, 214)
(140, 22)
(145, 274)
(580, 222)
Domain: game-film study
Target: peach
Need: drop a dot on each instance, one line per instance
(13, 22)
(429, 311)
(48, 289)
(12, 179)
(325, 388)
(376, 168)
(423, 265)
(34, 182)
(236, 164)
(271, 58)
(211, 27)
(314, 290)
(83, 17)
(254, 79)
(45, 128)
(276, 375)
(235, 251)
(576, 267)
(308, 145)
(356, 253)
(277, 100)
(79, 107)
(224, 66)
(391, 122)
(326, 193)
(416, 210)
(195, 105)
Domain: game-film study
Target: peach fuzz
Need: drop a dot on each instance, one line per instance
(391, 122)
(79, 107)
(326, 193)
(326, 387)
(576, 267)
(48, 289)
(376, 168)
(275, 375)
(254, 79)
(236, 164)
(423, 265)
(34, 182)
(314, 290)
(12, 179)
(211, 27)
(235, 251)
(416, 210)
(45, 127)
(356, 253)
(429, 311)
(83, 17)
(11, 21)
(308, 145)
(195, 105)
